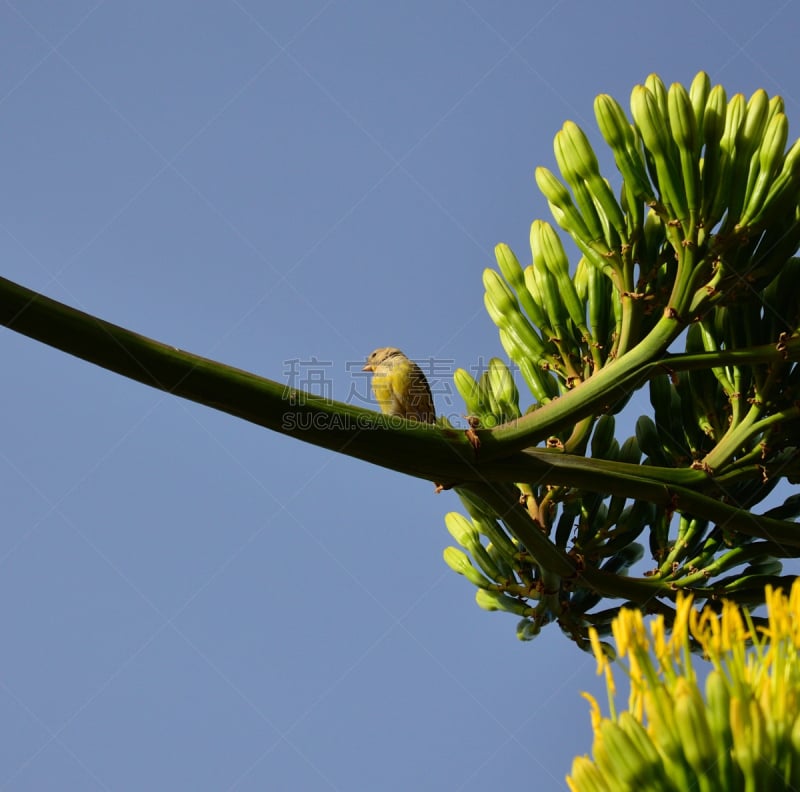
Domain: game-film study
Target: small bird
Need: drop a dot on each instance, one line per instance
(400, 386)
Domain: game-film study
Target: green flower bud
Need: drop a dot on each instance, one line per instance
(504, 389)
(746, 161)
(714, 116)
(714, 161)
(684, 132)
(617, 132)
(547, 249)
(696, 737)
(767, 162)
(581, 279)
(512, 272)
(558, 196)
(733, 120)
(656, 86)
(568, 163)
(631, 768)
(586, 776)
(698, 95)
(547, 286)
(459, 562)
(682, 121)
(470, 392)
(540, 383)
(461, 529)
(652, 121)
(579, 151)
(782, 192)
(629, 452)
(650, 764)
(603, 436)
(755, 117)
(495, 601)
(505, 312)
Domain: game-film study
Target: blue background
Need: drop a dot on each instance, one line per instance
(188, 601)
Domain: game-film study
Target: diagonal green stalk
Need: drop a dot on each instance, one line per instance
(417, 449)
(642, 482)
(557, 562)
(736, 438)
(742, 356)
(602, 390)
(605, 388)
(421, 450)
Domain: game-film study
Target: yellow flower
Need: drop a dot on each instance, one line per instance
(743, 732)
(400, 386)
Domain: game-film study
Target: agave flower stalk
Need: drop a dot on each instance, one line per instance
(687, 292)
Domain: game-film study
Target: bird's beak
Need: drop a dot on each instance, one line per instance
(368, 367)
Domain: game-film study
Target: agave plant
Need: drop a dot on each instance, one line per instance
(685, 288)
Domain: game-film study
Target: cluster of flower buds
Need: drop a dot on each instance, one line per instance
(686, 287)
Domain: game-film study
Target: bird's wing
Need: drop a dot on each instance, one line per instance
(418, 397)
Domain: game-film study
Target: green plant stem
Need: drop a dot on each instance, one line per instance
(507, 507)
(744, 356)
(605, 388)
(425, 451)
(418, 449)
(631, 481)
(749, 427)
(601, 390)
(733, 558)
(556, 561)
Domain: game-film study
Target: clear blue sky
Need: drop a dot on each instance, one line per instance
(188, 601)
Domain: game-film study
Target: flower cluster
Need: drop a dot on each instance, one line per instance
(744, 734)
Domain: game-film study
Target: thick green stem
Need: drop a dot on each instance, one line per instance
(420, 450)
(619, 378)
(605, 388)
(417, 449)
(748, 428)
(744, 356)
(556, 561)
(632, 481)
(508, 508)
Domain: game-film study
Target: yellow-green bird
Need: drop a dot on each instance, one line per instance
(400, 386)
